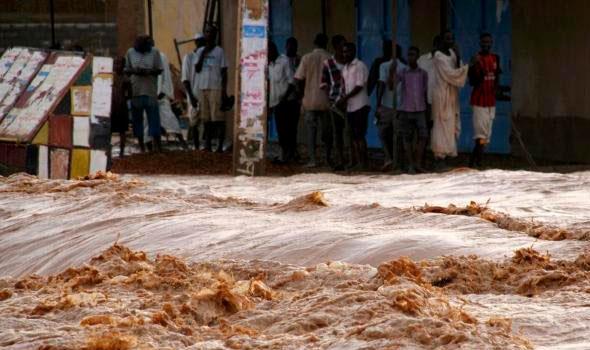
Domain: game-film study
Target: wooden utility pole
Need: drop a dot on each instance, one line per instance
(250, 89)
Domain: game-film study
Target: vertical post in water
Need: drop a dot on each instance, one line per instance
(250, 89)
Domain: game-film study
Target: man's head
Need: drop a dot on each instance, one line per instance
(349, 52)
(210, 35)
(448, 39)
(486, 42)
(338, 42)
(291, 47)
(387, 49)
(321, 41)
(199, 40)
(273, 52)
(413, 54)
(436, 41)
(143, 43)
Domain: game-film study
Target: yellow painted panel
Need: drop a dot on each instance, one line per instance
(80, 163)
(42, 137)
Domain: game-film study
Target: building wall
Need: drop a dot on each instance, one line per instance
(176, 19)
(549, 93)
(130, 23)
(89, 23)
(424, 22)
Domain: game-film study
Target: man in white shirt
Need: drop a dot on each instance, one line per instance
(211, 67)
(426, 63)
(387, 103)
(315, 101)
(356, 102)
(189, 79)
(282, 99)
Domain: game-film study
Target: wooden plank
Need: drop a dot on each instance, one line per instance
(43, 163)
(251, 63)
(42, 137)
(80, 163)
(98, 161)
(59, 163)
(60, 131)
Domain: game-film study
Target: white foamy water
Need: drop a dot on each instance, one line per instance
(213, 217)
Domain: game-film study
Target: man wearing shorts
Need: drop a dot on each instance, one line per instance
(356, 102)
(484, 72)
(211, 67)
(414, 85)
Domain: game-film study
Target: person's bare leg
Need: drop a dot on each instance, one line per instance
(183, 143)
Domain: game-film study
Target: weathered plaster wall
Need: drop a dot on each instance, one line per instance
(179, 19)
(551, 98)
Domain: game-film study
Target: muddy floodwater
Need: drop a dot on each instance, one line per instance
(462, 260)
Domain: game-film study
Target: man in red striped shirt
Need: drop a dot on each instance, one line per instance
(484, 73)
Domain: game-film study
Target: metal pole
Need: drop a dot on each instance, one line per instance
(52, 21)
(150, 22)
(396, 149)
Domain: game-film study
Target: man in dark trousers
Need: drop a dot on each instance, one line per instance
(484, 73)
(333, 84)
(211, 67)
(143, 64)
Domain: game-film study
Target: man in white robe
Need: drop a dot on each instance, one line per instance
(450, 76)
(168, 119)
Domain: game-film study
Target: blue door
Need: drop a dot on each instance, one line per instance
(373, 26)
(470, 18)
(281, 28)
(281, 22)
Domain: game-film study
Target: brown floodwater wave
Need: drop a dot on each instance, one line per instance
(122, 299)
(525, 288)
(506, 222)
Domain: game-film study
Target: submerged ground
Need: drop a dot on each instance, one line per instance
(308, 261)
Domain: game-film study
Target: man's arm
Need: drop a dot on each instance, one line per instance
(158, 67)
(300, 77)
(186, 77)
(291, 82)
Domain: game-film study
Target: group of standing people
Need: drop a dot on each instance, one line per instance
(417, 101)
(143, 86)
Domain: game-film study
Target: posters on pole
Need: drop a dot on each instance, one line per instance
(250, 138)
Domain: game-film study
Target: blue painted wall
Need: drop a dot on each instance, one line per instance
(373, 26)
